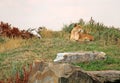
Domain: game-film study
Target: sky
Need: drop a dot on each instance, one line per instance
(53, 14)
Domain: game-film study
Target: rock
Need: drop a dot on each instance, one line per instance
(43, 72)
(108, 76)
(77, 57)
(59, 73)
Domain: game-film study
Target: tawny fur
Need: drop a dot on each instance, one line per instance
(85, 37)
(78, 34)
(74, 33)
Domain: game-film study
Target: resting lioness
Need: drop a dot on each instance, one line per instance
(85, 37)
(78, 34)
(75, 32)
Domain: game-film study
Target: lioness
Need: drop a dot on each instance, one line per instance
(75, 32)
(85, 37)
(78, 34)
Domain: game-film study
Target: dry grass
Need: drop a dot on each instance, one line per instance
(54, 34)
(9, 63)
(11, 44)
(47, 33)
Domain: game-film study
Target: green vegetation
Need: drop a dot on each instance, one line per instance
(98, 30)
(1, 40)
(24, 52)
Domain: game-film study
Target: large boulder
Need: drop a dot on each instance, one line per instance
(59, 73)
(77, 57)
(43, 72)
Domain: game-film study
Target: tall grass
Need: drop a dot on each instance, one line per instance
(109, 34)
(53, 34)
(47, 48)
(2, 40)
(10, 44)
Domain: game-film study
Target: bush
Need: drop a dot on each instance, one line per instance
(68, 28)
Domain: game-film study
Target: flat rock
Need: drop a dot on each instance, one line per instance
(77, 57)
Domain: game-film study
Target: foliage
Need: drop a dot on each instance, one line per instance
(18, 52)
(68, 28)
(98, 30)
(19, 76)
(13, 32)
(2, 40)
(47, 48)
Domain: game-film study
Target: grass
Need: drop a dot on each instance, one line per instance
(46, 49)
(9, 44)
(15, 53)
(110, 63)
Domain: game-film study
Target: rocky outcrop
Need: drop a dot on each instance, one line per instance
(43, 72)
(59, 73)
(77, 57)
(108, 76)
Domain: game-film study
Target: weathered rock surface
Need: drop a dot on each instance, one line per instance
(111, 76)
(59, 73)
(65, 73)
(77, 57)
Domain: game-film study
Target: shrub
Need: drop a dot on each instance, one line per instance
(68, 28)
